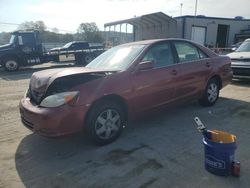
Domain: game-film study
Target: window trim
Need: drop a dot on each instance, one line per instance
(200, 51)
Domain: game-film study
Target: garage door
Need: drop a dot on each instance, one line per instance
(199, 34)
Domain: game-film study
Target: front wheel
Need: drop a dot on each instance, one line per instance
(105, 122)
(210, 94)
(11, 64)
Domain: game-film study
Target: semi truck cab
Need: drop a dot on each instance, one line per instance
(24, 48)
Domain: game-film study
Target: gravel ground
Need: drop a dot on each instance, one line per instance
(163, 150)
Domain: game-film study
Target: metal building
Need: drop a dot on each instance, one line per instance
(213, 31)
(150, 26)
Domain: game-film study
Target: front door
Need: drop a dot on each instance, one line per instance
(27, 43)
(156, 86)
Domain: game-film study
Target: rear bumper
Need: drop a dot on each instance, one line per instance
(52, 122)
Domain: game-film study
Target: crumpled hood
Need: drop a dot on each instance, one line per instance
(41, 80)
(239, 55)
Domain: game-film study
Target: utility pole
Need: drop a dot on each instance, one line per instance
(181, 9)
(195, 11)
(193, 27)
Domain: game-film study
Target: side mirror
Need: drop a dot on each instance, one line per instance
(145, 65)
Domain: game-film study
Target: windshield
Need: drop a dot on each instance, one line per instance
(117, 58)
(244, 47)
(12, 39)
(67, 45)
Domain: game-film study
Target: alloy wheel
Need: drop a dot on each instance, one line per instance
(212, 92)
(107, 124)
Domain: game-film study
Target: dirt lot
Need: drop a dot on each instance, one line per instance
(164, 150)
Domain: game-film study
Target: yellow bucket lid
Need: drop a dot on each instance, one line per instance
(222, 137)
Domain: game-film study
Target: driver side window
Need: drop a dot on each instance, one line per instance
(160, 54)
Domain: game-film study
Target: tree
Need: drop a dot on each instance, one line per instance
(4, 38)
(55, 30)
(89, 32)
(38, 25)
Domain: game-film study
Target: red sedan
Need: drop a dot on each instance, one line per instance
(120, 84)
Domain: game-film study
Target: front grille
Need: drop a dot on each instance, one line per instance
(27, 123)
(241, 71)
(35, 96)
(241, 60)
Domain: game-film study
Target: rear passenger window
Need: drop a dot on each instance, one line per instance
(188, 52)
(84, 45)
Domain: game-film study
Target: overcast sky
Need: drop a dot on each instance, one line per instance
(68, 14)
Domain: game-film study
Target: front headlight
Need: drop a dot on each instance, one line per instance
(58, 99)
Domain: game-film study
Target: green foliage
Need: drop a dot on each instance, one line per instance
(47, 36)
(38, 25)
(86, 32)
(89, 32)
(4, 38)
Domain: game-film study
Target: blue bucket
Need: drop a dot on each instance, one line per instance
(219, 156)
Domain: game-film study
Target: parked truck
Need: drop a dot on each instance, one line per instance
(25, 49)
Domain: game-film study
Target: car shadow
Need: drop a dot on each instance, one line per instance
(26, 72)
(161, 142)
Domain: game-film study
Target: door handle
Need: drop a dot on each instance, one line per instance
(174, 72)
(207, 64)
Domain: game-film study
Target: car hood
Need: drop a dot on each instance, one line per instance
(41, 80)
(239, 55)
(5, 47)
(240, 59)
(54, 49)
(58, 49)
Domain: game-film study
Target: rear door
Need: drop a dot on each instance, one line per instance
(156, 86)
(195, 68)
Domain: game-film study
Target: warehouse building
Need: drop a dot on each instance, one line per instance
(213, 31)
(209, 31)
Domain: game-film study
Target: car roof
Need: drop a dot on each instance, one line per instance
(152, 41)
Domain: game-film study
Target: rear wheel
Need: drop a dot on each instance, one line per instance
(105, 122)
(11, 64)
(211, 93)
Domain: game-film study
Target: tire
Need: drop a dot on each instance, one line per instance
(105, 122)
(211, 93)
(10, 64)
(79, 59)
(88, 59)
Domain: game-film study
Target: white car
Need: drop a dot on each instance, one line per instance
(241, 60)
